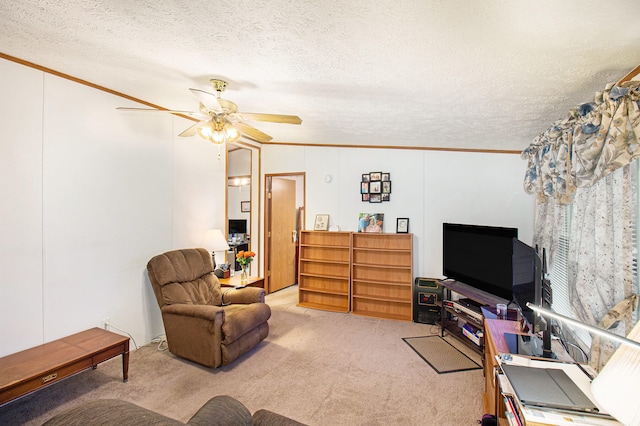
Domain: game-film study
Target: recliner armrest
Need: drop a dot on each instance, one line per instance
(207, 312)
(243, 295)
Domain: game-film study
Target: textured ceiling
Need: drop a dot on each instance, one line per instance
(447, 74)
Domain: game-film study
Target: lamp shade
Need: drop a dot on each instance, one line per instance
(616, 386)
(215, 241)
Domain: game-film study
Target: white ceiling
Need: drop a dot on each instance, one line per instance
(479, 74)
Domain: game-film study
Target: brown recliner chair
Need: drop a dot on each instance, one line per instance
(198, 325)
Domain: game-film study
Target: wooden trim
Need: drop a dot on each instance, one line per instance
(416, 148)
(249, 144)
(86, 83)
(634, 72)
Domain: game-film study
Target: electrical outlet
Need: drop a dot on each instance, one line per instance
(105, 322)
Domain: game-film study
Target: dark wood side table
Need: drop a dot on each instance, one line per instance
(235, 281)
(32, 369)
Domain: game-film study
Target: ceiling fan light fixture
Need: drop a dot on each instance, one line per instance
(205, 131)
(232, 133)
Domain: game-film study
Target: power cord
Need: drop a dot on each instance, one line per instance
(107, 325)
(162, 342)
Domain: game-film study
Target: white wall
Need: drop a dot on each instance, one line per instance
(428, 187)
(90, 194)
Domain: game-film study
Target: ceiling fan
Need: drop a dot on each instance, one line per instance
(219, 120)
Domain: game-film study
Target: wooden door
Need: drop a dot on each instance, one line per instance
(282, 247)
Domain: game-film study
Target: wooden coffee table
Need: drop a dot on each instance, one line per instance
(32, 369)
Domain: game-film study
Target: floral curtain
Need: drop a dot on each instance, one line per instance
(548, 220)
(573, 162)
(594, 139)
(601, 255)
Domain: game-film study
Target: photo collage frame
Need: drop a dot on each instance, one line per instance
(375, 187)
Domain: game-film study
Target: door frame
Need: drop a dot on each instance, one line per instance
(267, 218)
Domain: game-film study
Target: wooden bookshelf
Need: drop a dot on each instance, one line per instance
(324, 270)
(382, 275)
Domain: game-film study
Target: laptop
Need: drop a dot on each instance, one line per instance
(548, 388)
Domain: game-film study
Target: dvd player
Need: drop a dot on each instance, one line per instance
(469, 310)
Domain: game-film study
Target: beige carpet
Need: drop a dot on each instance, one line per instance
(441, 355)
(320, 368)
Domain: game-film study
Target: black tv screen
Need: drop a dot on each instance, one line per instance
(479, 256)
(527, 279)
(237, 226)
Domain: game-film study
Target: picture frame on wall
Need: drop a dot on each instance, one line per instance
(402, 225)
(245, 206)
(321, 223)
(375, 187)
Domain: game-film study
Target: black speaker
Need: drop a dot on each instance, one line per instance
(427, 300)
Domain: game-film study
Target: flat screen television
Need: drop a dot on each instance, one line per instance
(527, 279)
(237, 226)
(479, 256)
(529, 286)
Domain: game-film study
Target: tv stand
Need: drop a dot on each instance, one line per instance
(472, 299)
(471, 304)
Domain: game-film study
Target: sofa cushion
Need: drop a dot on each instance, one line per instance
(269, 418)
(184, 276)
(222, 410)
(240, 319)
(109, 412)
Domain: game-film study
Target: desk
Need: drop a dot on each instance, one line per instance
(538, 416)
(235, 281)
(495, 344)
(32, 369)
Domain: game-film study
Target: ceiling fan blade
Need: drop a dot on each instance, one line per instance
(207, 99)
(252, 132)
(228, 105)
(273, 118)
(192, 130)
(193, 114)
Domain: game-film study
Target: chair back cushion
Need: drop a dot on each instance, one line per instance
(184, 276)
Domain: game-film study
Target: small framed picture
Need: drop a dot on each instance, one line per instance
(245, 206)
(365, 197)
(375, 176)
(365, 177)
(402, 225)
(375, 198)
(386, 177)
(364, 187)
(386, 197)
(386, 187)
(374, 187)
(321, 223)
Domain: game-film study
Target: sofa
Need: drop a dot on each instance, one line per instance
(221, 410)
(203, 322)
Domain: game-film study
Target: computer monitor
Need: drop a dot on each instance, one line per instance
(237, 226)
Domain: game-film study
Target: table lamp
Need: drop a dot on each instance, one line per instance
(615, 387)
(214, 241)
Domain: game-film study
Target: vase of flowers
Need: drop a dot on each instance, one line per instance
(244, 258)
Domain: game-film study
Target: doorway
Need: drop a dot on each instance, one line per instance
(284, 199)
